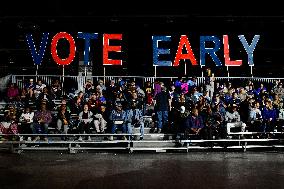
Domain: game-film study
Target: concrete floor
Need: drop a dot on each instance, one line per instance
(53, 170)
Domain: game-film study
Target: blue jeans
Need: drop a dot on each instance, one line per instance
(141, 125)
(38, 128)
(114, 127)
(162, 118)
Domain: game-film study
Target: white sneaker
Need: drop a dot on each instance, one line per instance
(21, 138)
(89, 138)
(111, 138)
(29, 138)
(80, 138)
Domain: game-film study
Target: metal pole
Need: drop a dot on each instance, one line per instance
(85, 70)
(185, 69)
(202, 75)
(104, 74)
(63, 79)
(251, 71)
(155, 71)
(228, 72)
(36, 72)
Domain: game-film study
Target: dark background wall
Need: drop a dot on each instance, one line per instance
(138, 23)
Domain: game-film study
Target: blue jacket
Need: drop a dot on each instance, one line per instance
(267, 113)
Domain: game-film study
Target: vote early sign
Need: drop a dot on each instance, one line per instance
(184, 43)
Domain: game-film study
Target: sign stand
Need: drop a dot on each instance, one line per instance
(36, 72)
(228, 72)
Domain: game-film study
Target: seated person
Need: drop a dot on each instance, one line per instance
(8, 126)
(117, 117)
(42, 119)
(195, 123)
(100, 118)
(255, 117)
(280, 122)
(85, 120)
(26, 120)
(45, 97)
(233, 119)
(12, 92)
(136, 119)
(39, 88)
(63, 119)
(30, 88)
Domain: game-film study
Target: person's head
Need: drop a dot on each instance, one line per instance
(280, 85)
(234, 107)
(112, 82)
(163, 88)
(45, 90)
(39, 82)
(148, 83)
(173, 88)
(43, 106)
(101, 82)
(78, 100)
(63, 101)
(27, 109)
(80, 94)
(206, 93)
(134, 95)
(31, 80)
(208, 71)
(269, 104)
(93, 96)
(261, 85)
(86, 107)
(103, 108)
(257, 105)
(119, 106)
(63, 106)
(195, 112)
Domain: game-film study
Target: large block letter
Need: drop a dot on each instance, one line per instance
(249, 48)
(210, 51)
(37, 55)
(229, 62)
(157, 51)
(189, 55)
(87, 37)
(107, 48)
(72, 48)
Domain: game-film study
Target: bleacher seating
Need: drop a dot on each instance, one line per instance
(152, 142)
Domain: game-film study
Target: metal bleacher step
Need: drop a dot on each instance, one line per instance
(157, 143)
(137, 130)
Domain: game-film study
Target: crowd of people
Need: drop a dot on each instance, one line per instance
(209, 110)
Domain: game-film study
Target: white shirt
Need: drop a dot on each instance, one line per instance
(27, 116)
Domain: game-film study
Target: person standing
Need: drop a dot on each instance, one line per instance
(209, 82)
(162, 102)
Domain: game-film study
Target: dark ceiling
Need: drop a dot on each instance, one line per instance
(138, 22)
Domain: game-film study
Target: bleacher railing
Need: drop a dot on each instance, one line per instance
(80, 81)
